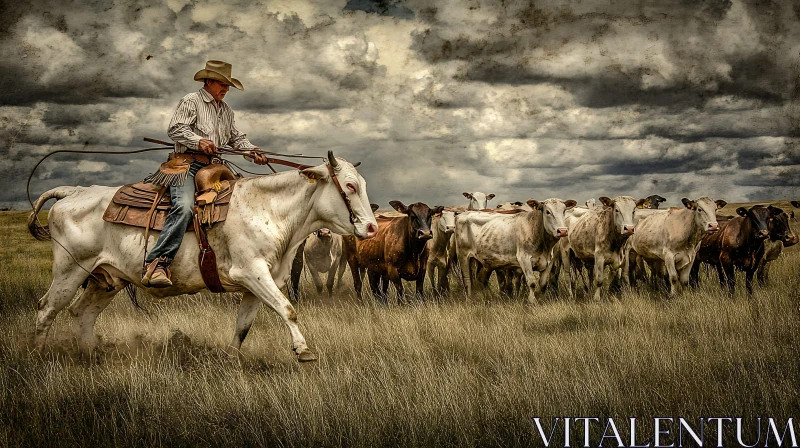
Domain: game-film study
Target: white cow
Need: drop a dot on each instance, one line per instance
(438, 258)
(669, 240)
(596, 239)
(478, 200)
(523, 240)
(268, 218)
(321, 253)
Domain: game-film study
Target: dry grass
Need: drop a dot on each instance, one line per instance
(436, 373)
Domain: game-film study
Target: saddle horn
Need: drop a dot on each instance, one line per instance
(332, 160)
(356, 164)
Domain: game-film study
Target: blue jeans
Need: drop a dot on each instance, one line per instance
(178, 219)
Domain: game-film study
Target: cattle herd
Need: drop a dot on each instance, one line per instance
(528, 245)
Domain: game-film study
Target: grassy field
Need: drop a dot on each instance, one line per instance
(434, 373)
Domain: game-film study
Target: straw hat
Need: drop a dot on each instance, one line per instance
(220, 71)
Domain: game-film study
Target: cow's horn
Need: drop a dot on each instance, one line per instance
(332, 160)
(356, 164)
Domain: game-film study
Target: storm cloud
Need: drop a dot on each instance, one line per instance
(522, 99)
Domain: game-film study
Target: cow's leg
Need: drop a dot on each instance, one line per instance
(694, 275)
(374, 279)
(544, 278)
(748, 281)
(763, 273)
(331, 279)
(430, 272)
(420, 291)
(729, 272)
(94, 299)
(443, 283)
(599, 277)
(67, 278)
(684, 274)
(315, 278)
(297, 271)
(466, 273)
(340, 273)
(258, 280)
(530, 280)
(669, 263)
(248, 309)
(394, 277)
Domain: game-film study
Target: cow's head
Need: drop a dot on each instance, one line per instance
(331, 210)
(323, 233)
(758, 216)
(779, 229)
(419, 218)
(553, 214)
(447, 222)
(478, 200)
(653, 201)
(705, 212)
(622, 209)
(591, 203)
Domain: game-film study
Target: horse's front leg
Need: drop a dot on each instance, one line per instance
(257, 279)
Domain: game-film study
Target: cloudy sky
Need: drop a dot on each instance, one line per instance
(524, 99)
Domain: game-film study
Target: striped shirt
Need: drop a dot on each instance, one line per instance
(200, 117)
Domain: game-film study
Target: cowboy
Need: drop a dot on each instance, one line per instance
(201, 124)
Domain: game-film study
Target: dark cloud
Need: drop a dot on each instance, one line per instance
(380, 7)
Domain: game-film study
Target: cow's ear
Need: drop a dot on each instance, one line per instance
(641, 203)
(490, 196)
(397, 205)
(570, 203)
(661, 198)
(605, 200)
(534, 204)
(518, 203)
(688, 203)
(437, 211)
(774, 210)
(796, 204)
(720, 203)
(315, 173)
(467, 195)
(374, 207)
(741, 211)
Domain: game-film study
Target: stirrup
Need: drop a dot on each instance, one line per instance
(150, 268)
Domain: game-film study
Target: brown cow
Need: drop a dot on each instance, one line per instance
(397, 252)
(780, 236)
(739, 243)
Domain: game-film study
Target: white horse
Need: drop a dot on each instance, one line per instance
(268, 218)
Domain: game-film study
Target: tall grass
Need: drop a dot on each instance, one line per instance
(443, 372)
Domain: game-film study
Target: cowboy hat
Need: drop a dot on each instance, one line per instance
(220, 71)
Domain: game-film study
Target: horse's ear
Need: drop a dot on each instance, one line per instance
(315, 173)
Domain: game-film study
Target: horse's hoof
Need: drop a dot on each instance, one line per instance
(306, 356)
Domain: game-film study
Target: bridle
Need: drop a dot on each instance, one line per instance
(333, 166)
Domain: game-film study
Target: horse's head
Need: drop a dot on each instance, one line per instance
(332, 209)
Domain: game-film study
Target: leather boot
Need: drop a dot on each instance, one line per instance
(156, 274)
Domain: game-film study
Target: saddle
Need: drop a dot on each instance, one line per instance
(131, 204)
(147, 205)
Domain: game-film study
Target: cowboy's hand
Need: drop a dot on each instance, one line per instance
(258, 158)
(207, 146)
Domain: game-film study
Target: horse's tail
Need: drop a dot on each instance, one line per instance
(39, 231)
